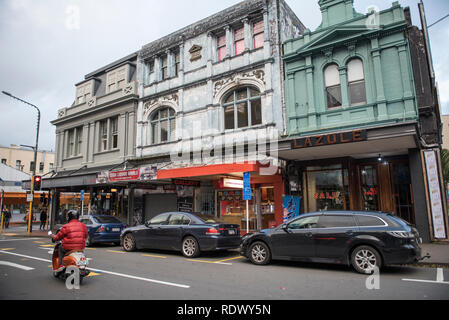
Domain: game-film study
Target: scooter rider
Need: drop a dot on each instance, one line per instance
(73, 236)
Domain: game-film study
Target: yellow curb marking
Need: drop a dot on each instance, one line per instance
(7, 249)
(150, 255)
(93, 274)
(47, 245)
(115, 251)
(230, 259)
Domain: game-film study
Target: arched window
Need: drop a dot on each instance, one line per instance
(163, 125)
(333, 87)
(242, 108)
(356, 82)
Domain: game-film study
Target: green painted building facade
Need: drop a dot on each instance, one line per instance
(378, 41)
(362, 118)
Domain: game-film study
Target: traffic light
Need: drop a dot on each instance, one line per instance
(37, 183)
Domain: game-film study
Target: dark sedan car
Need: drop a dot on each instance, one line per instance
(365, 240)
(102, 229)
(191, 234)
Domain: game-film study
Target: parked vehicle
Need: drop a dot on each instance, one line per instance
(363, 239)
(102, 229)
(189, 233)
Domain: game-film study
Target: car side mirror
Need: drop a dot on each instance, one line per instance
(147, 223)
(285, 227)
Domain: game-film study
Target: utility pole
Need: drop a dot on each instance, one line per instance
(35, 153)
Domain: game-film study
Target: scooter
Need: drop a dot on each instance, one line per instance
(72, 261)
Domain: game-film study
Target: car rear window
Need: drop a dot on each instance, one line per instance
(336, 221)
(369, 221)
(106, 219)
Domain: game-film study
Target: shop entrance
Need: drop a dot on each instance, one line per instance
(387, 187)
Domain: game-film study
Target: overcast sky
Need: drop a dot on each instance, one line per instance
(49, 45)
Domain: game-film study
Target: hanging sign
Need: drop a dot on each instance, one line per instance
(436, 204)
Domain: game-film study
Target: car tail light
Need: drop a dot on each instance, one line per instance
(212, 231)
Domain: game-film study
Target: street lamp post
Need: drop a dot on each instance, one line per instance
(35, 152)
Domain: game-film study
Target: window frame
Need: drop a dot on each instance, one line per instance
(171, 115)
(255, 34)
(221, 47)
(356, 82)
(332, 86)
(235, 104)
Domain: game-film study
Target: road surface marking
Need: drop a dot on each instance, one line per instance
(440, 278)
(92, 274)
(47, 245)
(8, 249)
(15, 265)
(212, 262)
(230, 259)
(38, 241)
(19, 239)
(114, 251)
(142, 279)
(150, 255)
(90, 248)
(110, 272)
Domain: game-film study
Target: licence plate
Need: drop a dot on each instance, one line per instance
(115, 229)
(231, 231)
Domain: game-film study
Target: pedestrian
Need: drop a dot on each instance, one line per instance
(43, 219)
(7, 217)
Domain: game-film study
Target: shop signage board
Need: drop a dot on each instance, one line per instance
(124, 175)
(330, 139)
(436, 204)
(82, 195)
(232, 183)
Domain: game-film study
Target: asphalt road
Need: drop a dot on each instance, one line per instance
(25, 273)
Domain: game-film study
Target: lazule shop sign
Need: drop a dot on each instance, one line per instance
(330, 139)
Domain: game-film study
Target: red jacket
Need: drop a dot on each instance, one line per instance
(74, 234)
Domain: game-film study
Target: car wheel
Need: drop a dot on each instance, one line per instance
(259, 253)
(190, 247)
(365, 259)
(129, 242)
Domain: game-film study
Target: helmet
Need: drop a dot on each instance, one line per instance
(72, 214)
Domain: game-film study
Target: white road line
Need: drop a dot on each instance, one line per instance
(15, 265)
(440, 278)
(108, 272)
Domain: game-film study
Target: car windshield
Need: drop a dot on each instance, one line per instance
(106, 219)
(205, 218)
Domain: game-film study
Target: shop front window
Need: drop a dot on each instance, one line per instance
(370, 188)
(327, 188)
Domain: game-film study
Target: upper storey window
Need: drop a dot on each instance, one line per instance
(221, 47)
(116, 79)
(333, 87)
(242, 108)
(356, 82)
(239, 41)
(163, 125)
(83, 92)
(258, 34)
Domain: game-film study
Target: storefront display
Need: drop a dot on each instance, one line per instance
(327, 188)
